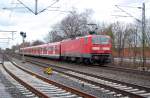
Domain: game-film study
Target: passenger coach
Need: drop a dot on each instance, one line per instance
(50, 50)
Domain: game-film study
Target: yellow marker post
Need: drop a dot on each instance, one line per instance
(48, 70)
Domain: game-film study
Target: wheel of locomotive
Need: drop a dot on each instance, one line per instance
(103, 61)
(64, 58)
(72, 59)
(68, 59)
(93, 62)
(100, 61)
(87, 61)
(79, 60)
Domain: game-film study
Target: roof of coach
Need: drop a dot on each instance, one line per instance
(54, 43)
(76, 38)
(102, 35)
(43, 45)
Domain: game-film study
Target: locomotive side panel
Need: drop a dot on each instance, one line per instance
(75, 48)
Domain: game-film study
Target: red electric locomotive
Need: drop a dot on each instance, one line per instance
(88, 49)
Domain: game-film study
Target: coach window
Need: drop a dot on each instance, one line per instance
(53, 47)
(56, 48)
(33, 50)
(40, 49)
(44, 49)
(49, 48)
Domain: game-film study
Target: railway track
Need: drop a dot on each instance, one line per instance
(42, 87)
(117, 88)
(121, 69)
(129, 70)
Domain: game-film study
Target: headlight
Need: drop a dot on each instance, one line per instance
(106, 48)
(95, 48)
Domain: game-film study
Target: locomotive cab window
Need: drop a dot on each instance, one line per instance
(100, 40)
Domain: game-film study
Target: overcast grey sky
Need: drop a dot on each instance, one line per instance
(37, 26)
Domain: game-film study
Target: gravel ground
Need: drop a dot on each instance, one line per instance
(11, 90)
(66, 81)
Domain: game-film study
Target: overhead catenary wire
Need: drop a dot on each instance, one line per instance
(36, 12)
(128, 13)
(48, 7)
(26, 6)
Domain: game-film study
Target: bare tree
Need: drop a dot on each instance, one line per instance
(147, 33)
(75, 24)
(53, 36)
(26, 44)
(37, 42)
(121, 32)
(132, 41)
(15, 47)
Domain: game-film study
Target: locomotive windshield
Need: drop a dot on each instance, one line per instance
(100, 39)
